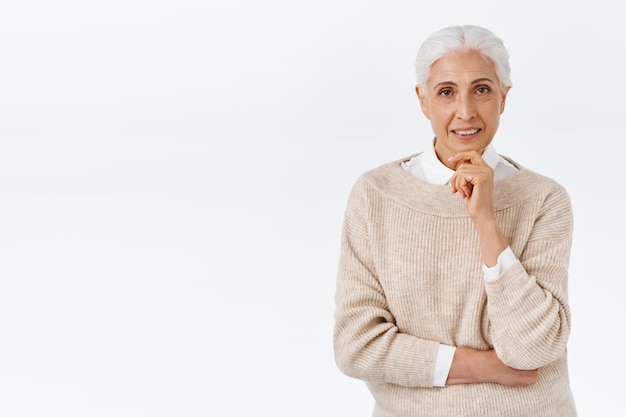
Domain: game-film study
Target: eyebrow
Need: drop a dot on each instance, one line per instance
(476, 81)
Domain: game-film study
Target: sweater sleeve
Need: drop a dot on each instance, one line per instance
(367, 342)
(527, 305)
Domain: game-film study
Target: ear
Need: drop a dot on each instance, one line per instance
(422, 96)
(504, 95)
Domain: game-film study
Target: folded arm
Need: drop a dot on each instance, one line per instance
(527, 305)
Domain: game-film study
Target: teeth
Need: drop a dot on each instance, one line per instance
(466, 132)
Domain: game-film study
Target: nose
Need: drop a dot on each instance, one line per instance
(466, 108)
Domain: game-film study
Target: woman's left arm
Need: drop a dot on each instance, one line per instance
(527, 304)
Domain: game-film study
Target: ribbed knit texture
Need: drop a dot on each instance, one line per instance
(410, 278)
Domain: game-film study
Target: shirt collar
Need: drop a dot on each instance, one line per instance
(438, 173)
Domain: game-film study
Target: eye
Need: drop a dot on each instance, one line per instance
(445, 92)
(483, 90)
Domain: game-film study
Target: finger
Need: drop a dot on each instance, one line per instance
(456, 189)
(466, 186)
(460, 184)
(473, 157)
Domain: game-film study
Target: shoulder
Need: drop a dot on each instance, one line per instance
(529, 184)
(385, 178)
(548, 184)
(554, 217)
(553, 197)
(388, 171)
(370, 191)
(381, 185)
(540, 197)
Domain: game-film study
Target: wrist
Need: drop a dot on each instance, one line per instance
(492, 241)
(484, 218)
(469, 366)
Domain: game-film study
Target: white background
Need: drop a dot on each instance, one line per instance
(173, 176)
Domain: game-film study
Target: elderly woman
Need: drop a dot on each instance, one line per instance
(452, 289)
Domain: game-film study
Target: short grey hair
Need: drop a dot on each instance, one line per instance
(463, 38)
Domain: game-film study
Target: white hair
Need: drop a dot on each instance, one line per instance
(463, 38)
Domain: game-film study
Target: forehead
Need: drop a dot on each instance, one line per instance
(459, 67)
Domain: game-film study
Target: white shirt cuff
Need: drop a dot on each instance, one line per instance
(505, 260)
(443, 362)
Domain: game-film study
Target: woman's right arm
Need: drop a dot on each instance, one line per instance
(368, 344)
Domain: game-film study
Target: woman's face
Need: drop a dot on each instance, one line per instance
(463, 101)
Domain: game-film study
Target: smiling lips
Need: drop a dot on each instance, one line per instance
(467, 133)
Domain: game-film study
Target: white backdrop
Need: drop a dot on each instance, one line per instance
(173, 176)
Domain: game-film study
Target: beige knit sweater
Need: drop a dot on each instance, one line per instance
(411, 277)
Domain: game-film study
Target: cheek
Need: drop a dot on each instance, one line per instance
(441, 118)
(493, 113)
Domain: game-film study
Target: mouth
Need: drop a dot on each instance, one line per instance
(466, 133)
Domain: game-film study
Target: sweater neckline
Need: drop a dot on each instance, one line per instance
(393, 181)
